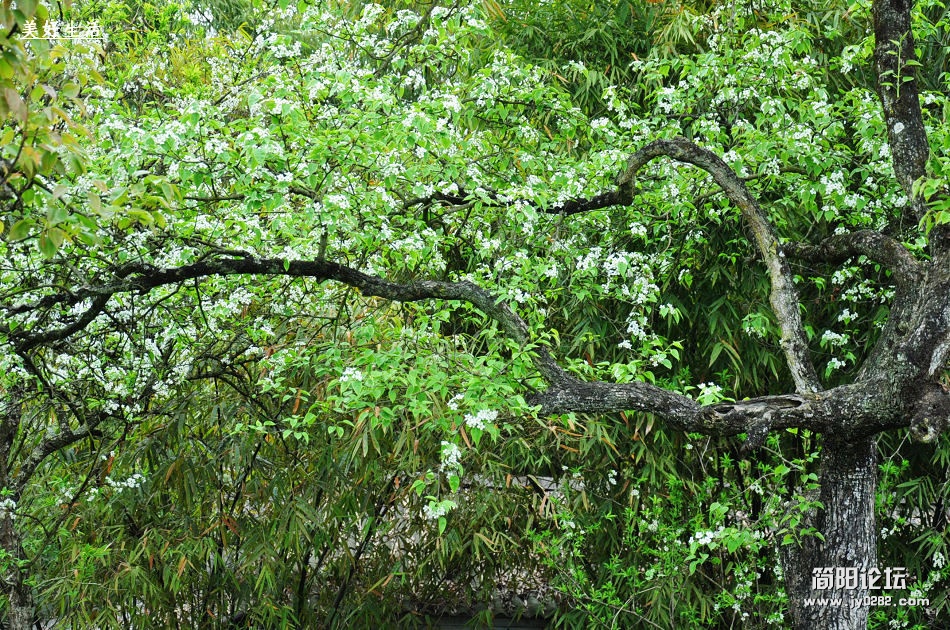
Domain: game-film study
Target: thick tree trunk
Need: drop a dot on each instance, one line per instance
(848, 485)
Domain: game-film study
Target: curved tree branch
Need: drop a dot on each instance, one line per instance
(784, 296)
(619, 197)
(909, 276)
(867, 409)
(876, 246)
(141, 278)
(98, 305)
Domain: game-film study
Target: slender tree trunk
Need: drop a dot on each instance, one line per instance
(848, 485)
(19, 594)
(20, 610)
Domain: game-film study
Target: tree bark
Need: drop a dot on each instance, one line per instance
(848, 485)
(894, 59)
(20, 610)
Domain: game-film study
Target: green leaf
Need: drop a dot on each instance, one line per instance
(14, 102)
(47, 246)
(142, 216)
(27, 7)
(418, 486)
(95, 202)
(20, 229)
(57, 236)
(56, 214)
(734, 542)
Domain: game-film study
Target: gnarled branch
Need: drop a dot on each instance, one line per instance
(874, 245)
(619, 197)
(844, 410)
(784, 296)
(141, 278)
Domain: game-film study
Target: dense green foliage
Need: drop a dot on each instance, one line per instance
(274, 452)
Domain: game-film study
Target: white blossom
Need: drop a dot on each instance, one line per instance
(478, 420)
(351, 374)
(434, 511)
(451, 456)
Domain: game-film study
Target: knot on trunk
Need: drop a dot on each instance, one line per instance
(930, 415)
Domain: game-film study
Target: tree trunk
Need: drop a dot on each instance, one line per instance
(848, 485)
(19, 595)
(20, 610)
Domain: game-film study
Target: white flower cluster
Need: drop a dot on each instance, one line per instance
(453, 403)
(709, 392)
(849, 55)
(705, 538)
(414, 79)
(451, 456)
(834, 184)
(753, 327)
(590, 260)
(836, 364)
(939, 560)
(451, 103)
(7, 508)
(131, 483)
(341, 202)
(351, 374)
(216, 147)
(518, 295)
(832, 338)
(635, 329)
(434, 511)
(478, 420)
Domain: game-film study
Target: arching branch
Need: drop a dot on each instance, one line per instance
(876, 246)
(908, 275)
(784, 296)
(141, 278)
(565, 393)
